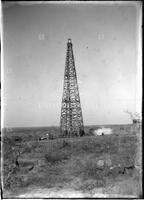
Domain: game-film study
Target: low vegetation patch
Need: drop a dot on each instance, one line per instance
(55, 157)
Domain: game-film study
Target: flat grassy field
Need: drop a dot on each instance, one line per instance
(89, 166)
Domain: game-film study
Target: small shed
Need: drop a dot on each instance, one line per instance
(103, 131)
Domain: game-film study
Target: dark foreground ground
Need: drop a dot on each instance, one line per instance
(90, 166)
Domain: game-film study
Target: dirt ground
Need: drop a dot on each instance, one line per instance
(111, 191)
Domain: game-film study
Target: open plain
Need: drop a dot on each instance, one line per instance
(88, 166)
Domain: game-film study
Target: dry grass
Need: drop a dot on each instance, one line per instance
(58, 162)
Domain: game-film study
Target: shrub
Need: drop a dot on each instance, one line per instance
(65, 144)
(90, 132)
(57, 157)
(51, 136)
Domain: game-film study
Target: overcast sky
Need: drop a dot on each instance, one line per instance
(104, 40)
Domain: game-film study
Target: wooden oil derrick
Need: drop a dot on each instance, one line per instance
(71, 121)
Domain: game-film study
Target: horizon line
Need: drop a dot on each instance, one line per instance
(59, 126)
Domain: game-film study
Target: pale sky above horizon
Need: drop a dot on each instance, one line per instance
(104, 40)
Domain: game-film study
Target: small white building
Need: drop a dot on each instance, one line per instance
(103, 131)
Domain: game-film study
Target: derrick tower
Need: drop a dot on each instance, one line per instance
(71, 121)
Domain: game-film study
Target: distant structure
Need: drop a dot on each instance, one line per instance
(71, 121)
(103, 131)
